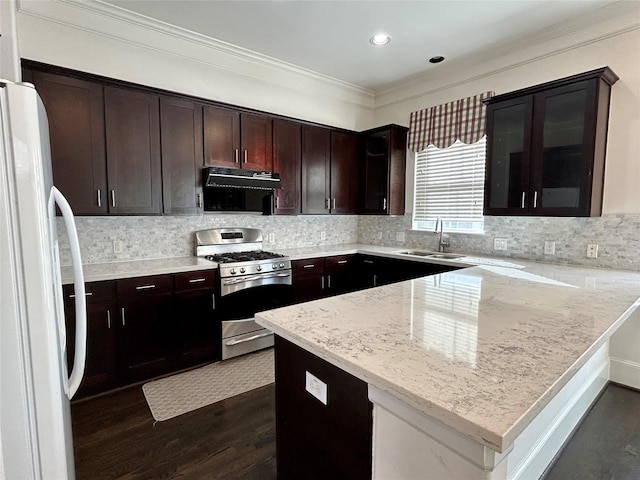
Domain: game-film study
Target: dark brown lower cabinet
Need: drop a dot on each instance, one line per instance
(308, 279)
(100, 371)
(314, 440)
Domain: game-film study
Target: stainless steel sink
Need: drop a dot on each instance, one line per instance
(426, 254)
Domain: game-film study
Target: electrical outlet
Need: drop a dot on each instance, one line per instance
(592, 250)
(499, 243)
(400, 236)
(549, 248)
(272, 238)
(379, 235)
(323, 235)
(316, 387)
(117, 246)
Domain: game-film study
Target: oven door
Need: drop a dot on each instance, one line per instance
(240, 298)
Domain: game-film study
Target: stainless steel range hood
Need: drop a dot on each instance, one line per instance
(221, 177)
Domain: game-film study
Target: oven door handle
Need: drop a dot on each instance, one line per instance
(230, 343)
(248, 278)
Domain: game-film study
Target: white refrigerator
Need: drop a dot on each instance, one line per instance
(35, 387)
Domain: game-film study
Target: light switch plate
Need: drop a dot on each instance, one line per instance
(400, 236)
(549, 248)
(499, 243)
(316, 387)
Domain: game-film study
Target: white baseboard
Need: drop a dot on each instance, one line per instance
(625, 372)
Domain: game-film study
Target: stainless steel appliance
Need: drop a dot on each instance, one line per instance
(251, 280)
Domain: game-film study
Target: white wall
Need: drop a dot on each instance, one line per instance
(614, 42)
(87, 36)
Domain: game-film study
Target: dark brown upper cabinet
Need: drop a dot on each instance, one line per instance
(132, 125)
(546, 147)
(329, 171)
(76, 130)
(287, 144)
(182, 158)
(345, 155)
(384, 170)
(316, 165)
(237, 140)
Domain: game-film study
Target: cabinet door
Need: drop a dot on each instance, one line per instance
(316, 156)
(76, 129)
(564, 120)
(196, 319)
(287, 139)
(182, 160)
(376, 173)
(100, 371)
(308, 279)
(257, 142)
(221, 137)
(341, 274)
(147, 329)
(344, 172)
(132, 122)
(508, 157)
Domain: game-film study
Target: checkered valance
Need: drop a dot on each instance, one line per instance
(442, 125)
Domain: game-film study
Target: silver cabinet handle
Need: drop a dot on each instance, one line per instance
(230, 343)
(334, 203)
(197, 280)
(535, 199)
(99, 198)
(368, 261)
(124, 323)
(113, 198)
(328, 281)
(86, 294)
(524, 195)
(375, 280)
(235, 153)
(108, 318)
(384, 203)
(277, 198)
(342, 261)
(198, 200)
(311, 265)
(322, 282)
(145, 287)
(213, 301)
(326, 203)
(245, 156)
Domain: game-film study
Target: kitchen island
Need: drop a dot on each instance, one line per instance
(477, 373)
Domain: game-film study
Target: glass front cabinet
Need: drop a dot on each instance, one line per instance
(546, 147)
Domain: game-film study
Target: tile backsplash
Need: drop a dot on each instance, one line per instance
(173, 236)
(617, 235)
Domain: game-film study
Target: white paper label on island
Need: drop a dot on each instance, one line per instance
(316, 387)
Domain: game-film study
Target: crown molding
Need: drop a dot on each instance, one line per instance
(98, 7)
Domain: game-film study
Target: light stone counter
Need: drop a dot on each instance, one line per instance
(137, 268)
(482, 350)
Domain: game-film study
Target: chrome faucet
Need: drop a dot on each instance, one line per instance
(443, 242)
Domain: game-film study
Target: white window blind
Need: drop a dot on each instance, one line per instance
(449, 183)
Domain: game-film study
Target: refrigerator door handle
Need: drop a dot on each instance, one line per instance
(80, 301)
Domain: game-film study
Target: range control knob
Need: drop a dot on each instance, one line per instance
(232, 271)
(274, 266)
(259, 268)
(241, 269)
(282, 265)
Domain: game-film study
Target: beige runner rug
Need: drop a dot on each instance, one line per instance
(184, 392)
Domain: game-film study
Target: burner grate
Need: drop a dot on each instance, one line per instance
(251, 256)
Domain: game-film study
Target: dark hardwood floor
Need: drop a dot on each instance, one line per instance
(115, 438)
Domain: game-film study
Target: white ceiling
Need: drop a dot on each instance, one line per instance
(332, 37)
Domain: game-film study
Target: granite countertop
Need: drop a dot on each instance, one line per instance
(482, 349)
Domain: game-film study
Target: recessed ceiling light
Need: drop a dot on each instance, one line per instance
(380, 39)
(436, 59)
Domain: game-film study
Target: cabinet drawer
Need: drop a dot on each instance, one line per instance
(200, 280)
(311, 266)
(339, 261)
(94, 291)
(140, 286)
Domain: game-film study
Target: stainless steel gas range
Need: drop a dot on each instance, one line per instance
(250, 280)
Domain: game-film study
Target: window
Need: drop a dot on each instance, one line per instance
(449, 183)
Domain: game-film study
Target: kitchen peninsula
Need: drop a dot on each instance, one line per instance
(479, 373)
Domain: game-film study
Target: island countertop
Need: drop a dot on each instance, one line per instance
(483, 349)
